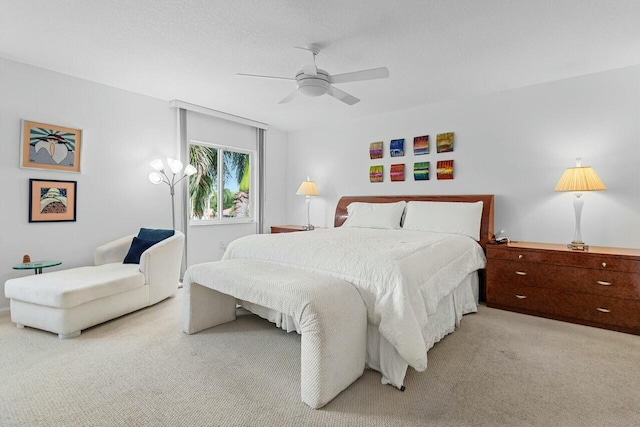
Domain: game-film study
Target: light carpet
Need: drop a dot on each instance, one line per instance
(498, 369)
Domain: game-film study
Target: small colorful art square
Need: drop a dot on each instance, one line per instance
(445, 169)
(397, 172)
(444, 142)
(397, 147)
(375, 150)
(421, 171)
(375, 173)
(421, 145)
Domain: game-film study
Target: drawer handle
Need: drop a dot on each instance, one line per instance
(603, 310)
(604, 264)
(520, 256)
(525, 297)
(603, 283)
(521, 273)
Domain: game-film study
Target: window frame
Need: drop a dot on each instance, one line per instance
(253, 186)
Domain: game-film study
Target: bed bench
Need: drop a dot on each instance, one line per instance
(330, 312)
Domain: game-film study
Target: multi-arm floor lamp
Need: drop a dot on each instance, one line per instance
(160, 176)
(579, 179)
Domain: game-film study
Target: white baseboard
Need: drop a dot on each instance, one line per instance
(4, 310)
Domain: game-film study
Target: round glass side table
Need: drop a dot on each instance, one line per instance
(36, 266)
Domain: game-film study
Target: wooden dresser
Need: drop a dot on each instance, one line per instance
(599, 288)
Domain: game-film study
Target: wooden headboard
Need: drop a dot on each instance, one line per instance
(486, 224)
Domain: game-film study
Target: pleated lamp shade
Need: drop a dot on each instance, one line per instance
(307, 188)
(580, 178)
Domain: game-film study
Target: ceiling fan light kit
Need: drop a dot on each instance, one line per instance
(313, 85)
(311, 81)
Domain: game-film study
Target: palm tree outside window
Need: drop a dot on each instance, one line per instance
(220, 191)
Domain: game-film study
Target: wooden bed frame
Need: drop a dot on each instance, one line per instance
(486, 223)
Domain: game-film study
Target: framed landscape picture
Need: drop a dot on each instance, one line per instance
(50, 147)
(52, 200)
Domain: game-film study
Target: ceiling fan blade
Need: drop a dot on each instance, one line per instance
(310, 64)
(264, 77)
(356, 76)
(342, 96)
(289, 97)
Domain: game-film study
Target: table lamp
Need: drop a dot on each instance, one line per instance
(579, 179)
(307, 189)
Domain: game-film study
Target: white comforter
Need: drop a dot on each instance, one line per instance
(400, 274)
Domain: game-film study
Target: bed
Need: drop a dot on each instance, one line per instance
(417, 282)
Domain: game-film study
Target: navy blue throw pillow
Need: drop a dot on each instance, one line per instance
(135, 251)
(157, 235)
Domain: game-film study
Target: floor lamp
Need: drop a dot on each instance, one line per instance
(579, 179)
(159, 176)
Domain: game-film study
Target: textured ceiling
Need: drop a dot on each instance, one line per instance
(435, 50)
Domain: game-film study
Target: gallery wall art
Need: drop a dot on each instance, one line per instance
(444, 142)
(52, 200)
(397, 147)
(445, 169)
(52, 147)
(397, 172)
(421, 171)
(421, 145)
(375, 173)
(375, 150)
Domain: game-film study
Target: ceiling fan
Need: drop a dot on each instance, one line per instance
(312, 81)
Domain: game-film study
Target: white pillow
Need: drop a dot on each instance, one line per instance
(374, 215)
(444, 217)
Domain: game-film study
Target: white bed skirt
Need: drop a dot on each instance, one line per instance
(381, 355)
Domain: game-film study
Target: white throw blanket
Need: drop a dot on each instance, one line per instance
(400, 274)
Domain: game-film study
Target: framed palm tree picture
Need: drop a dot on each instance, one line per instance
(53, 147)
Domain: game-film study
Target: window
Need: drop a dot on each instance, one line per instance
(220, 191)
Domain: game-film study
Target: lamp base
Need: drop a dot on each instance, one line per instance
(578, 246)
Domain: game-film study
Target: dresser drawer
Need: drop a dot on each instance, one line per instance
(613, 284)
(580, 308)
(566, 258)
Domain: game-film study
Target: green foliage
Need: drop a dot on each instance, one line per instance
(246, 178)
(202, 184)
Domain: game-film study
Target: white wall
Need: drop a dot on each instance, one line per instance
(275, 176)
(122, 132)
(515, 144)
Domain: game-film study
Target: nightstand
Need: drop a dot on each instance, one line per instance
(287, 228)
(598, 288)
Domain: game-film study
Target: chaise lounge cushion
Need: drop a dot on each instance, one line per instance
(76, 286)
(156, 235)
(135, 251)
(147, 237)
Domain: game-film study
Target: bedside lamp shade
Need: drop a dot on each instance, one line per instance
(307, 189)
(578, 179)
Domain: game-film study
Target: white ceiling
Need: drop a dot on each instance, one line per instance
(435, 50)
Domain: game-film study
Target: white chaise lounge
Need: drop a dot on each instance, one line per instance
(66, 302)
(330, 313)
